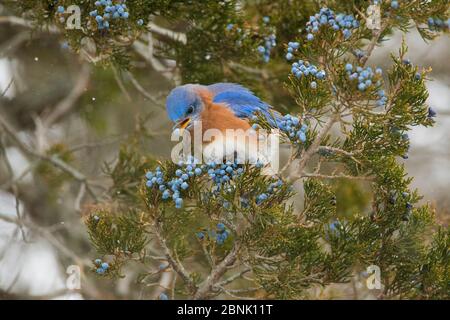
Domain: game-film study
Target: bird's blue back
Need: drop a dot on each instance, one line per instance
(241, 101)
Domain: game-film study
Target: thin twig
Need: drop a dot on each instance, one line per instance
(139, 88)
(176, 265)
(65, 105)
(207, 285)
(351, 155)
(54, 160)
(174, 283)
(79, 197)
(15, 192)
(120, 83)
(338, 176)
(146, 51)
(97, 144)
(47, 235)
(16, 180)
(234, 277)
(316, 143)
(25, 23)
(376, 36)
(231, 294)
(290, 160)
(7, 87)
(173, 35)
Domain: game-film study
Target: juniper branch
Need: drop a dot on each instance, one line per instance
(314, 147)
(338, 176)
(206, 287)
(176, 265)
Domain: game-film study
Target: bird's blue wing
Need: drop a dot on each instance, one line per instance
(241, 101)
(224, 86)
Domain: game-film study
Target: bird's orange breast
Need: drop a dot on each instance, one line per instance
(219, 116)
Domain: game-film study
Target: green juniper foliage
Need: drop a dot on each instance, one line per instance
(238, 233)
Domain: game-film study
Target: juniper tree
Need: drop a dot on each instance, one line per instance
(230, 230)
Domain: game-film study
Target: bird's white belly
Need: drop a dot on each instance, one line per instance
(246, 147)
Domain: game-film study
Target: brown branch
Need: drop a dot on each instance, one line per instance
(54, 160)
(139, 88)
(7, 87)
(176, 265)
(65, 105)
(13, 20)
(232, 294)
(313, 148)
(234, 277)
(47, 235)
(375, 38)
(338, 176)
(167, 33)
(206, 286)
(120, 83)
(351, 155)
(336, 150)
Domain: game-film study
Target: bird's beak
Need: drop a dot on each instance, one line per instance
(182, 124)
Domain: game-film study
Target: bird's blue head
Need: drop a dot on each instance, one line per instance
(184, 105)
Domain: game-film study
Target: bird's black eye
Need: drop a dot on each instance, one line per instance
(190, 110)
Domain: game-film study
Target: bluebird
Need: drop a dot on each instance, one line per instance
(219, 106)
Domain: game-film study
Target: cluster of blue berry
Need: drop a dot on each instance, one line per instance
(172, 189)
(408, 206)
(304, 68)
(364, 76)
(60, 11)
(102, 267)
(431, 112)
(408, 211)
(293, 128)
(269, 43)
(223, 173)
(326, 16)
(231, 27)
(106, 11)
(405, 139)
(219, 173)
(292, 46)
(407, 62)
(271, 189)
(437, 24)
(220, 235)
(382, 99)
